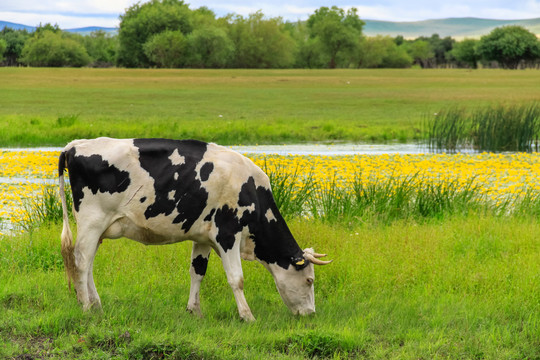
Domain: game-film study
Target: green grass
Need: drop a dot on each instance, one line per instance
(465, 288)
(54, 106)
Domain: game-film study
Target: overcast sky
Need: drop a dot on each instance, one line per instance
(79, 13)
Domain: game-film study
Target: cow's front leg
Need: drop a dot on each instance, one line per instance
(197, 270)
(233, 268)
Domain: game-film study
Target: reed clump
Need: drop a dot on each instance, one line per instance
(45, 208)
(298, 194)
(493, 128)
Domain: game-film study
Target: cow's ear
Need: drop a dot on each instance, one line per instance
(299, 262)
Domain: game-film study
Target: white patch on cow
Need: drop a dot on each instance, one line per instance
(270, 215)
(176, 176)
(171, 194)
(247, 246)
(176, 158)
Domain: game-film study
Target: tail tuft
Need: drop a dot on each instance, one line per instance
(67, 236)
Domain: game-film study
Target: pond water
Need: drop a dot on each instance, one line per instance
(331, 149)
(322, 149)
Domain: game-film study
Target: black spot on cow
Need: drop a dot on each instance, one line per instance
(274, 242)
(209, 216)
(228, 225)
(175, 183)
(94, 173)
(206, 170)
(200, 264)
(143, 199)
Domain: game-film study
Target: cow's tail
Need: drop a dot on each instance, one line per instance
(67, 235)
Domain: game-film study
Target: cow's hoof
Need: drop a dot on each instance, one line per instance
(248, 318)
(195, 311)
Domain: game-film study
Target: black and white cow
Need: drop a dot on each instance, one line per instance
(159, 191)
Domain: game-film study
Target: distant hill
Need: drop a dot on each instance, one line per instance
(454, 27)
(82, 30)
(457, 28)
(14, 26)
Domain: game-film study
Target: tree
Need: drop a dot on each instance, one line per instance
(509, 46)
(15, 40)
(261, 42)
(141, 22)
(382, 51)
(49, 48)
(3, 46)
(209, 47)
(420, 51)
(465, 52)
(439, 47)
(166, 49)
(397, 57)
(336, 31)
(101, 47)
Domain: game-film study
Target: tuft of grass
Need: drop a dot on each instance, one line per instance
(67, 120)
(291, 190)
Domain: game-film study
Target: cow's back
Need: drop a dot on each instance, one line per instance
(157, 190)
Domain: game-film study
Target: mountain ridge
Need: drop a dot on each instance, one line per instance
(454, 27)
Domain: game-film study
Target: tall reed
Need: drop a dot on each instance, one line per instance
(492, 128)
(447, 130)
(506, 128)
(408, 197)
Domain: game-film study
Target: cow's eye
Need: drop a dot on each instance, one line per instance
(309, 281)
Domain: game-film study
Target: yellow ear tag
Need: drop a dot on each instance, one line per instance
(301, 262)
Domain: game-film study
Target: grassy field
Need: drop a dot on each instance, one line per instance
(466, 288)
(53, 106)
(446, 285)
(459, 282)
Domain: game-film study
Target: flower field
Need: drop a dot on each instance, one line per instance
(22, 176)
(497, 177)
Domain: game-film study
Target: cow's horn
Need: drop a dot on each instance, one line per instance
(313, 257)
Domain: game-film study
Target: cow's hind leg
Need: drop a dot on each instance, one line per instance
(85, 251)
(197, 270)
(93, 295)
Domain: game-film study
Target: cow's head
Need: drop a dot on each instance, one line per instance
(296, 283)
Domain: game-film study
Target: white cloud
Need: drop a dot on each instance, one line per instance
(64, 21)
(79, 13)
(82, 7)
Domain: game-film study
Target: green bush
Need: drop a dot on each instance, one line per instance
(49, 48)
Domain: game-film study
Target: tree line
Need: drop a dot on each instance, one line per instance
(168, 34)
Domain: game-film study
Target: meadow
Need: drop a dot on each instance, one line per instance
(462, 282)
(436, 256)
(48, 106)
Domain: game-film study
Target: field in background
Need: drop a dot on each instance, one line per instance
(53, 106)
